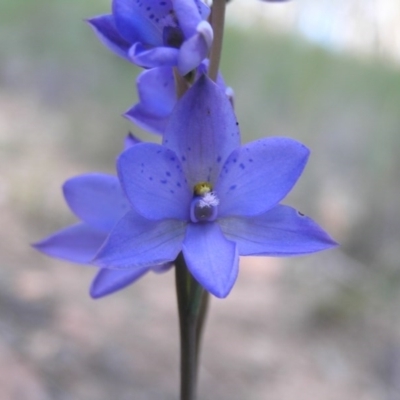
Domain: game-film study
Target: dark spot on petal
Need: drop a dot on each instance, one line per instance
(219, 159)
(233, 187)
(241, 165)
(178, 184)
(168, 173)
(301, 214)
(163, 181)
(150, 178)
(172, 191)
(250, 160)
(183, 158)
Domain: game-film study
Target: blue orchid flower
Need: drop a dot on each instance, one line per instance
(157, 33)
(99, 202)
(157, 97)
(202, 194)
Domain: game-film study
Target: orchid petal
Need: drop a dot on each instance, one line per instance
(204, 10)
(211, 258)
(141, 21)
(77, 243)
(258, 175)
(281, 231)
(138, 242)
(162, 268)
(154, 183)
(104, 28)
(160, 56)
(202, 69)
(96, 199)
(188, 15)
(150, 122)
(157, 97)
(130, 141)
(192, 52)
(156, 89)
(108, 281)
(202, 131)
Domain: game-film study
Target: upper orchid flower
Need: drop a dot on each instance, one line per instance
(96, 199)
(157, 97)
(156, 33)
(203, 194)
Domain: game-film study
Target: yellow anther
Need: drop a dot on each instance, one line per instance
(202, 188)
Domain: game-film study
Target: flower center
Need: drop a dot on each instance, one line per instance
(173, 36)
(204, 205)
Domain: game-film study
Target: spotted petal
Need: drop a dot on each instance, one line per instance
(138, 242)
(281, 231)
(77, 243)
(211, 258)
(259, 175)
(141, 21)
(204, 10)
(153, 181)
(188, 15)
(202, 131)
(96, 199)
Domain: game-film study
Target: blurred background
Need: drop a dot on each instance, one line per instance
(324, 327)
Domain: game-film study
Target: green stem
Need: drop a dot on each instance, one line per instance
(200, 323)
(217, 23)
(192, 310)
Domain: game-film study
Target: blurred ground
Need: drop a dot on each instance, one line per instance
(320, 327)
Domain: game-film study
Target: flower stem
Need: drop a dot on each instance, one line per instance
(217, 23)
(200, 323)
(181, 85)
(192, 305)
